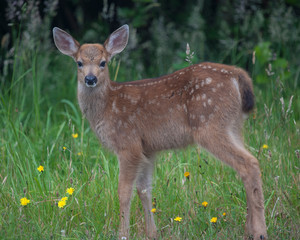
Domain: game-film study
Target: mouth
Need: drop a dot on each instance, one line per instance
(91, 85)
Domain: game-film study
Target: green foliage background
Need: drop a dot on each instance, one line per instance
(39, 113)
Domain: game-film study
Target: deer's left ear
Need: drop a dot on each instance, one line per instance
(117, 41)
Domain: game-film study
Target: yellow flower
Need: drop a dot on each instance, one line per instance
(224, 214)
(265, 146)
(61, 204)
(24, 201)
(178, 219)
(64, 148)
(70, 191)
(75, 135)
(40, 168)
(204, 204)
(214, 220)
(64, 199)
(187, 174)
(153, 210)
(79, 154)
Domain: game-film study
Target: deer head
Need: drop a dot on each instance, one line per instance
(91, 59)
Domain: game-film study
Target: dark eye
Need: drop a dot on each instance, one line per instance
(102, 64)
(79, 64)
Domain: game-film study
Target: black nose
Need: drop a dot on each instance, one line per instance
(90, 80)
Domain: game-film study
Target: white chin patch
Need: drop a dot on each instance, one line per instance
(91, 86)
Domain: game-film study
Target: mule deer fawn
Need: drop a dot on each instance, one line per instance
(202, 104)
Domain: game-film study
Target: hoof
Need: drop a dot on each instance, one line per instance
(252, 237)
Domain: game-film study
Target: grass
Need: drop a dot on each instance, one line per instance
(39, 114)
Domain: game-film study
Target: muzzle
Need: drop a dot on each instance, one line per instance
(90, 80)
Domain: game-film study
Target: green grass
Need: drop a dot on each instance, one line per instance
(39, 114)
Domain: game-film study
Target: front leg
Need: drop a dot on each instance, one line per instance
(144, 187)
(129, 164)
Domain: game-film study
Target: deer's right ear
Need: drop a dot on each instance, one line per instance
(65, 42)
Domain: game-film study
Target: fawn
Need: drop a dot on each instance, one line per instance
(202, 104)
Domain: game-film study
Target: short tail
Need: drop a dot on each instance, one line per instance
(246, 90)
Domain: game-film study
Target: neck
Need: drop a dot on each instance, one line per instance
(92, 101)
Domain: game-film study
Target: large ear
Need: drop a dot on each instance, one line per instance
(65, 42)
(117, 41)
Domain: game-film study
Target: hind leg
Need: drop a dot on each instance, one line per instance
(228, 147)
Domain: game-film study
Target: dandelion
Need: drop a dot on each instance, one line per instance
(153, 210)
(79, 154)
(224, 214)
(64, 148)
(64, 199)
(70, 191)
(187, 174)
(40, 168)
(177, 219)
(61, 204)
(265, 146)
(24, 201)
(204, 204)
(75, 135)
(214, 220)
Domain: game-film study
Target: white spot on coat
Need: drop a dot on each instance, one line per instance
(202, 118)
(208, 80)
(114, 107)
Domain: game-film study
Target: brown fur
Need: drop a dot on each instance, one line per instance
(202, 104)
